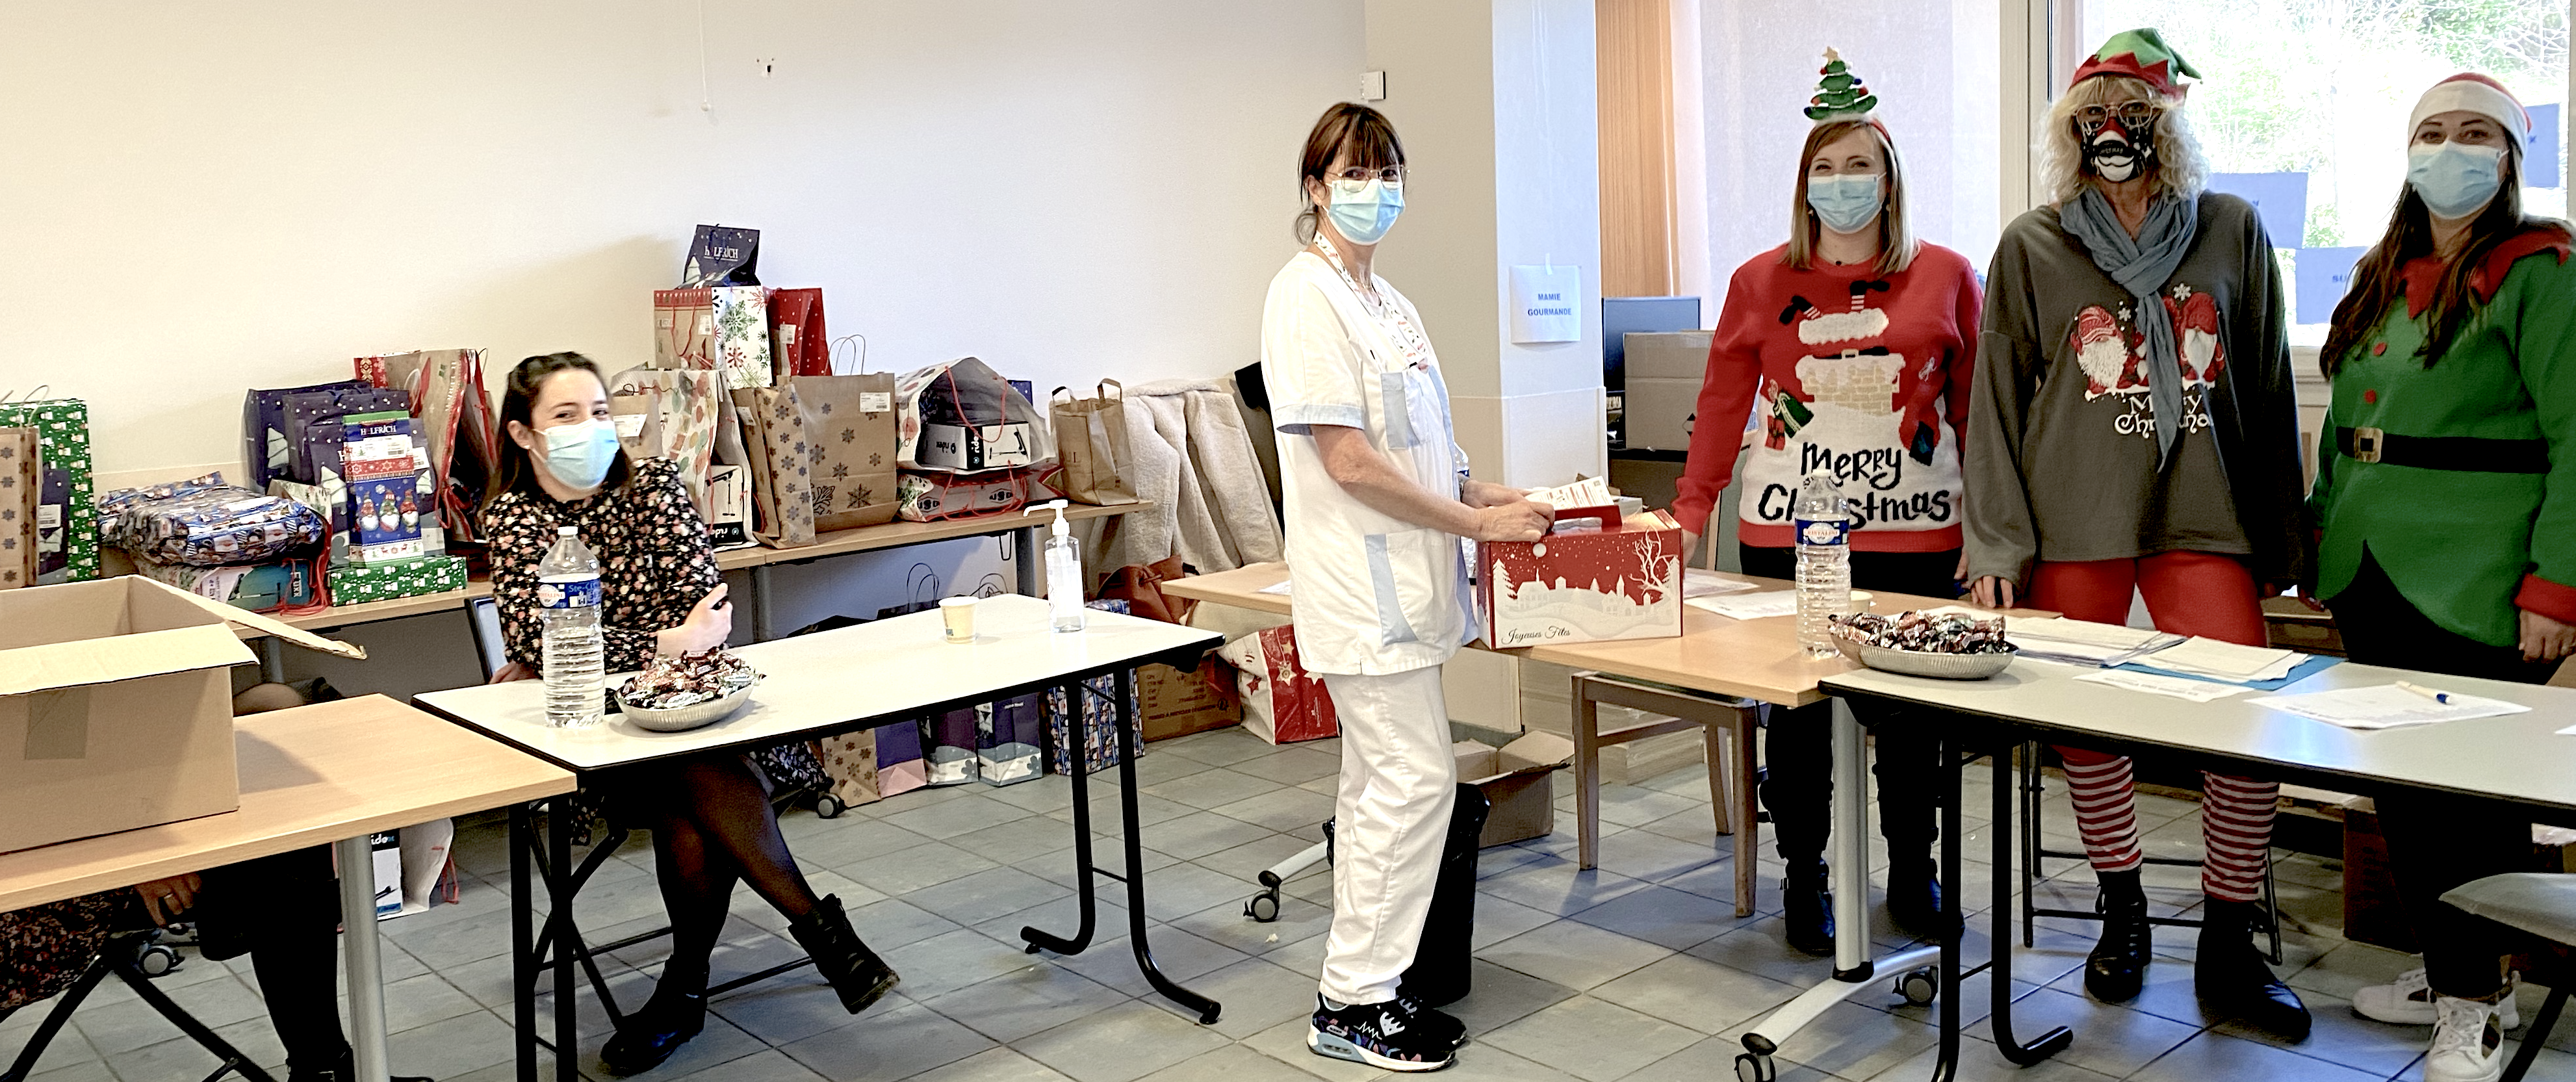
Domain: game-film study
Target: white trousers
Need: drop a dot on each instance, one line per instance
(1391, 820)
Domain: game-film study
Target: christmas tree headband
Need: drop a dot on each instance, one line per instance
(2139, 54)
(1839, 93)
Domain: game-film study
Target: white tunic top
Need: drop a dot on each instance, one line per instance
(1374, 594)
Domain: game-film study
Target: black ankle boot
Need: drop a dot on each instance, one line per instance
(677, 1011)
(1914, 899)
(2233, 979)
(1808, 907)
(856, 972)
(2117, 968)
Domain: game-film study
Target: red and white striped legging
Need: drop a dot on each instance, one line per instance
(2187, 593)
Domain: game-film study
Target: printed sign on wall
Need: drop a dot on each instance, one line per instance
(1547, 304)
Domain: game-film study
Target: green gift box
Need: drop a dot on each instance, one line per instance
(360, 583)
(62, 443)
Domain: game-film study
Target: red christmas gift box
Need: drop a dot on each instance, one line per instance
(1595, 577)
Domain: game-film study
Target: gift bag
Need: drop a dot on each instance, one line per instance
(636, 410)
(899, 765)
(266, 451)
(1091, 443)
(723, 329)
(798, 345)
(934, 496)
(722, 255)
(850, 761)
(688, 418)
(1094, 735)
(851, 423)
(1282, 702)
(921, 593)
(458, 427)
(960, 416)
(1009, 737)
(66, 512)
(948, 746)
(17, 507)
(782, 467)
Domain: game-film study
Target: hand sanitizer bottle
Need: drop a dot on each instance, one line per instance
(1063, 571)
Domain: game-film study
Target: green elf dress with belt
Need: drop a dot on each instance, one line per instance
(2460, 478)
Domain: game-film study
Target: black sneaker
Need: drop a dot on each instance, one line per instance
(1390, 1036)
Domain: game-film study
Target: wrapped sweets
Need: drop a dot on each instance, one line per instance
(668, 683)
(1925, 633)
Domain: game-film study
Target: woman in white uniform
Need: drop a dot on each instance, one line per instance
(1377, 499)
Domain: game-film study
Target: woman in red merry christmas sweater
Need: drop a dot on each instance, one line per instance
(1850, 347)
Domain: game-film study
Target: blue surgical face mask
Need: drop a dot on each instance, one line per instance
(1365, 211)
(2454, 179)
(1846, 202)
(578, 455)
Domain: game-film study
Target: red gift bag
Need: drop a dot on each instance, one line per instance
(798, 345)
(1282, 702)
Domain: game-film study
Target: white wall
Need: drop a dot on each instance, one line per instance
(206, 198)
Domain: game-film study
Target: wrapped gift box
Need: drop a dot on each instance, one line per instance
(1599, 577)
(359, 583)
(66, 510)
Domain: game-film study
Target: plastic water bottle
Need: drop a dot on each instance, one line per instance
(568, 594)
(1823, 524)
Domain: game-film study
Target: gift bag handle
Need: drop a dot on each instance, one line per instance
(919, 575)
(858, 344)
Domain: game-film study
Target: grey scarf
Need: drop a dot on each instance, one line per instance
(2142, 265)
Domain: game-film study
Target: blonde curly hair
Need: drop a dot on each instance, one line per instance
(2180, 166)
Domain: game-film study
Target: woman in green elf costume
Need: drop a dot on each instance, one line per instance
(2447, 498)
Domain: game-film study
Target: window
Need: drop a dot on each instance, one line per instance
(2302, 107)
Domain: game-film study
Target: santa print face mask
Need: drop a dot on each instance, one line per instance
(2114, 152)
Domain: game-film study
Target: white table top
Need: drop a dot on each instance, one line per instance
(824, 682)
(2517, 757)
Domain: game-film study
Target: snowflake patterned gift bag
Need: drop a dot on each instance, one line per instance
(781, 464)
(851, 423)
(724, 329)
(17, 507)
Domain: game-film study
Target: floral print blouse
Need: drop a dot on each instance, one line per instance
(654, 563)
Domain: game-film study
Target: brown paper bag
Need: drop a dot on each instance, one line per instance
(851, 423)
(1091, 441)
(636, 410)
(783, 467)
(18, 491)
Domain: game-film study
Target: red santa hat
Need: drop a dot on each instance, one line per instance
(2471, 92)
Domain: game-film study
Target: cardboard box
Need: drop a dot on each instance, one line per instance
(1514, 778)
(1171, 702)
(1622, 581)
(116, 706)
(976, 447)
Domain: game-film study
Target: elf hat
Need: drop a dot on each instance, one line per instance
(2139, 54)
(1839, 93)
(2478, 94)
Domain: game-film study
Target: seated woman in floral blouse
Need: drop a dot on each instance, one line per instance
(660, 594)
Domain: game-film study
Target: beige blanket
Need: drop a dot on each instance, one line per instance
(1195, 465)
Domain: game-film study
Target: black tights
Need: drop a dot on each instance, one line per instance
(285, 912)
(712, 827)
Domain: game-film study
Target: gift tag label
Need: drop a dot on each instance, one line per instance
(629, 425)
(706, 324)
(875, 401)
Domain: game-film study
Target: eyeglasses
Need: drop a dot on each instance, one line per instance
(1359, 174)
(2132, 113)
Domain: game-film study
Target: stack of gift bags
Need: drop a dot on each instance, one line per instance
(48, 522)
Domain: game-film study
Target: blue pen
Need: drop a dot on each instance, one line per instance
(2442, 697)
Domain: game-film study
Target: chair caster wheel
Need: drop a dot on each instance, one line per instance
(1263, 907)
(1753, 1068)
(826, 807)
(1919, 986)
(157, 960)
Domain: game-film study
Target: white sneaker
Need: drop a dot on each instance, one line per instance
(2408, 1001)
(2468, 1042)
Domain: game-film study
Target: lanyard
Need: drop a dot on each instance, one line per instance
(1408, 338)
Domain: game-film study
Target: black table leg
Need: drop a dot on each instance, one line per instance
(1075, 707)
(1952, 766)
(523, 957)
(2057, 1038)
(559, 827)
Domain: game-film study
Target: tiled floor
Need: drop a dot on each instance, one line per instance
(1637, 971)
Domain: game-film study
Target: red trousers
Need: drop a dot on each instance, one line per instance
(2187, 593)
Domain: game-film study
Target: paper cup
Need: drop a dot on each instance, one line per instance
(957, 618)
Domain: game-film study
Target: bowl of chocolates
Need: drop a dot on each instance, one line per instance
(677, 694)
(1952, 645)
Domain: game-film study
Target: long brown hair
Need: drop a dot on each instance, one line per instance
(1365, 132)
(2378, 278)
(518, 403)
(1896, 246)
